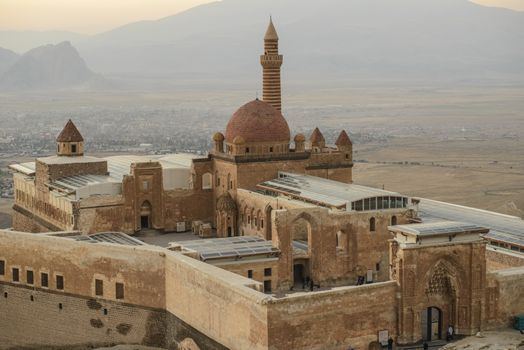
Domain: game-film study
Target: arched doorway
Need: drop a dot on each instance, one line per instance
(145, 215)
(431, 323)
(301, 250)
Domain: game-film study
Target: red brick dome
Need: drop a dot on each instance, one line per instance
(258, 121)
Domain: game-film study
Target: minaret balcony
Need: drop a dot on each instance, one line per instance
(271, 60)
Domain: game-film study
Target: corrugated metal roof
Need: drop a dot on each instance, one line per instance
(217, 248)
(323, 191)
(502, 227)
(108, 237)
(438, 228)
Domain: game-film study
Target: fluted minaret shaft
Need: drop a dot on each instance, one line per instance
(271, 62)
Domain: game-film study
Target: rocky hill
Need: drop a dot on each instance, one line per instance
(49, 66)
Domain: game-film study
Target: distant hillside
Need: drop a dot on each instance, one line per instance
(7, 59)
(49, 66)
(23, 41)
(329, 39)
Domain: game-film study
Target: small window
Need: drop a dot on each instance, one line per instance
(30, 277)
(249, 273)
(347, 156)
(16, 274)
(372, 225)
(73, 148)
(145, 185)
(99, 287)
(261, 223)
(393, 221)
(105, 311)
(60, 306)
(59, 282)
(267, 286)
(377, 266)
(271, 149)
(247, 149)
(5, 295)
(32, 298)
(119, 290)
(44, 279)
(2, 267)
(267, 271)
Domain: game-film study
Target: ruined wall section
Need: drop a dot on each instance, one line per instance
(341, 245)
(504, 297)
(333, 320)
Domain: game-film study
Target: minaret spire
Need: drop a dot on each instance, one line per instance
(271, 62)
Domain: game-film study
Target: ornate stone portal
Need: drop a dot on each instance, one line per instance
(434, 265)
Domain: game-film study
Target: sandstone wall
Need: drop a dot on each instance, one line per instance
(333, 320)
(499, 259)
(54, 319)
(216, 303)
(504, 297)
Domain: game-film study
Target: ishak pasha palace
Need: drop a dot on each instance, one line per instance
(264, 243)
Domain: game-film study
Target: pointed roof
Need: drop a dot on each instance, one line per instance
(271, 32)
(70, 133)
(316, 136)
(343, 139)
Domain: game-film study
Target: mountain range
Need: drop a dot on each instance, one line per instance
(46, 67)
(329, 39)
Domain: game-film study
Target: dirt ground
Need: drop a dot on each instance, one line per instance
(493, 340)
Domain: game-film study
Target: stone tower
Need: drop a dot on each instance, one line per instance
(70, 142)
(271, 62)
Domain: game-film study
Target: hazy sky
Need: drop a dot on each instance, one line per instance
(93, 16)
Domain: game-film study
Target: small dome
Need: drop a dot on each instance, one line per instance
(258, 121)
(226, 203)
(239, 140)
(343, 139)
(300, 138)
(70, 133)
(218, 137)
(317, 137)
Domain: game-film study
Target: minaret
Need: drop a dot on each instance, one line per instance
(271, 62)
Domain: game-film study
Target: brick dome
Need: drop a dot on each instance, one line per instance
(258, 121)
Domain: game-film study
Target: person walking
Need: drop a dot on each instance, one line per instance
(390, 343)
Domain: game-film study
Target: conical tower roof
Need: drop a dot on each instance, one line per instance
(317, 137)
(343, 139)
(70, 133)
(271, 32)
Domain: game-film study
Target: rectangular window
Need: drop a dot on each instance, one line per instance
(119, 290)
(16, 274)
(267, 286)
(99, 287)
(249, 273)
(59, 282)
(30, 277)
(44, 279)
(2, 267)
(73, 148)
(145, 185)
(267, 271)
(377, 266)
